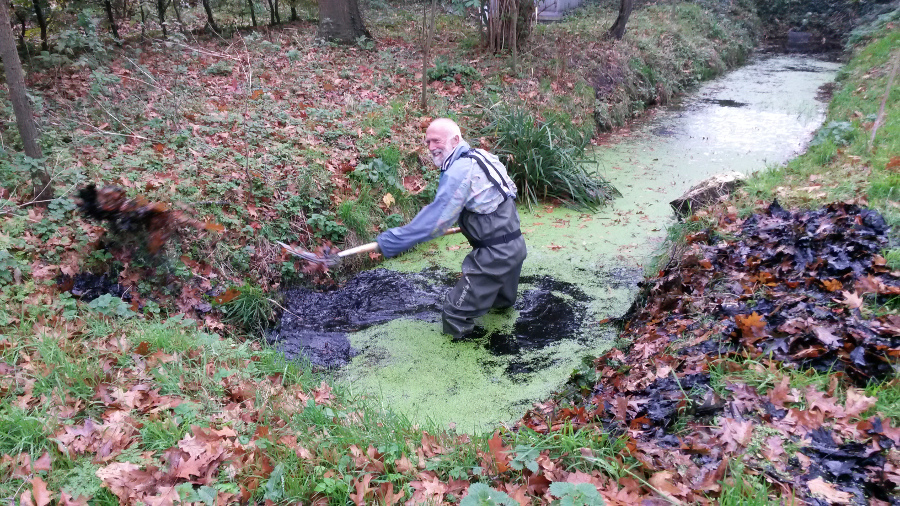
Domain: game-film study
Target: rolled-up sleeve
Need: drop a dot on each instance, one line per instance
(435, 218)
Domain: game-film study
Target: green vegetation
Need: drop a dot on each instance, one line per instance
(546, 158)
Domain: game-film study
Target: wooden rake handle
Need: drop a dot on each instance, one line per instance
(373, 246)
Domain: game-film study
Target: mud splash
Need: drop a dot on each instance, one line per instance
(315, 324)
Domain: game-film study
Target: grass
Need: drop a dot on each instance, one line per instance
(251, 310)
(741, 488)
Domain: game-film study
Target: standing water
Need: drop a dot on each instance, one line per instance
(582, 268)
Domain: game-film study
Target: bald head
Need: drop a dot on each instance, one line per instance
(441, 138)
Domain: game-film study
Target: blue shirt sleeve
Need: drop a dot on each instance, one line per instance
(435, 218)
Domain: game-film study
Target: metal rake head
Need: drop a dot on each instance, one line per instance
(327, 260)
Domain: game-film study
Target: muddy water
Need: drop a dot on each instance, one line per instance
(582, 268)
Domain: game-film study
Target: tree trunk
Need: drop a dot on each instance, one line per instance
(143, 19)
(210, 22)
(178, 14)
(15, 80)
(22, 33)
(617, 30)
(111, 18)
(340, 21)
(277, 13)
(271, 13)
(42, 22)
(161, 6)
(294, 13)
(514, 10)
(427, 34)
(252, 12)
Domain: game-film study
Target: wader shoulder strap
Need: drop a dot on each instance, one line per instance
(483, 163)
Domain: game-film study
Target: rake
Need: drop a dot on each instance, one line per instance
(333, 259)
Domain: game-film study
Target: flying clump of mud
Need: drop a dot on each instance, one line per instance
(135, 214)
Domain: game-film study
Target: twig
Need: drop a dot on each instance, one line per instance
(107, 132)
(880, 117)
(244, 120)
(284, 308)
(146, 74)
(208, 53)
(139, 68)
(210, 203)
(148, 84)
(111, 115)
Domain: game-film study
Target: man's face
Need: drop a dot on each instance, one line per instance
(440, 144)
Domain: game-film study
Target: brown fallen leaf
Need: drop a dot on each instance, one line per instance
(851, 300)
(824, 335)
(832, 285)
(500, 452)
(821, 488)
(752, 325)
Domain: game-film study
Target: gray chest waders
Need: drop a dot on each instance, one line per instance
(490, 272)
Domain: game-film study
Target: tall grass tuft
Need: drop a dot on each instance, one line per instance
(251, 309)
(546, 159)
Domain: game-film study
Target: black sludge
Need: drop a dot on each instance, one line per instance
(315, 324)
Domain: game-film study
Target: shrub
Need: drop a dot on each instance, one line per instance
(450, 72)
(546, 159)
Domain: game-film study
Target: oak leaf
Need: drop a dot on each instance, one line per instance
(825, 336)
(832, 285)
(500, 452)
(43, 463)
(851, 300)
(857, 402)
(39, 492)
(820, 488)
(752, 325)
(663, 482)
(736, 434)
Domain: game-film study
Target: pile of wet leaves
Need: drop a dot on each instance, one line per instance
(705, 387)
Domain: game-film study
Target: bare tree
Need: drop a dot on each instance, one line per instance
(161, 6)
(42, 22)
(427, 34)
(508, 24)
(617, 30)
(15, 80)
(107, 4)
(252, 12)
(210, 22)
(340, 21)
(273, 13)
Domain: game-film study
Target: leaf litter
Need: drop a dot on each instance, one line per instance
(781, 291)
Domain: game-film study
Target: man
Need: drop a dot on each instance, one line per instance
(475, 190)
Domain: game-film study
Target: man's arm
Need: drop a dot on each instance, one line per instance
(435, 218)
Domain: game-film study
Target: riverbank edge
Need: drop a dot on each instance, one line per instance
(857, 167)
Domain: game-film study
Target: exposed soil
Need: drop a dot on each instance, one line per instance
(791, 291)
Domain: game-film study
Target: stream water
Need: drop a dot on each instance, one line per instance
(582, 268)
